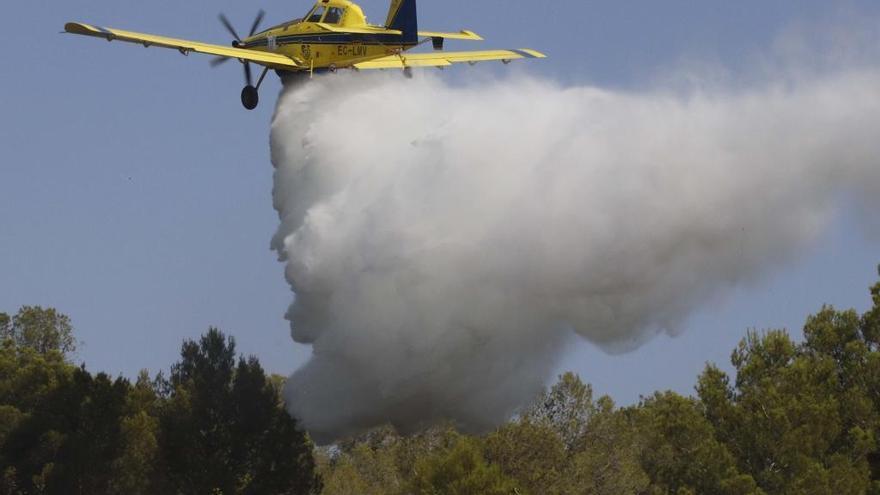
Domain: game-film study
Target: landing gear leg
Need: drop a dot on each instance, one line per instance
(250, 95)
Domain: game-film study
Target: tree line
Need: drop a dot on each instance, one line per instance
(215, 424)
(799, 416)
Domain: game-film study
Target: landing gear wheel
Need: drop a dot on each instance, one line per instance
(250, 97)
(408, 72)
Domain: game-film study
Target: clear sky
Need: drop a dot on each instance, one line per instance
(135, 192)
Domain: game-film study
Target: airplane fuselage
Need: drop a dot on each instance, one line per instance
(334, 34)
(318, 49)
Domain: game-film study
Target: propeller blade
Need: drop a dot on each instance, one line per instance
(257, 22)
(229, 27)
(218, 61)
(247, 74)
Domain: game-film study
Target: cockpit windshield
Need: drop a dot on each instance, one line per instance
(316, 14)
(334, 15)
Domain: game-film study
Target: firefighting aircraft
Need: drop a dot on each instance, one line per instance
(333, 35)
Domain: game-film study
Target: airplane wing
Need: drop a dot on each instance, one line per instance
(461, 35)
(274, 60)
(442, 59)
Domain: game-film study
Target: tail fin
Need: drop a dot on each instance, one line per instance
(402, 17)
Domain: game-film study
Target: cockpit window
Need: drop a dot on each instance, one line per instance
(334, 15)
(316, 14)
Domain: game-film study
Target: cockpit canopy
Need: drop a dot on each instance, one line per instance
(339, 12)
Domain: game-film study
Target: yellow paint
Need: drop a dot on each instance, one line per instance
(322, 42)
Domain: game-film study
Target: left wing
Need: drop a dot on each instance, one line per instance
(442, 59)
(274, 60)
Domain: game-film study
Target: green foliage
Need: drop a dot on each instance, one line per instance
(363, 470)
(135, 466)
(568, 444)
(223, 428)
(797, 417)
(5, 330)
(680, 453)
(277, 382)
(343, 476)
(607, 461)
(802, 417)
(67, 443)
(43, 330)
(871, 319)
(460, 470)
(27, 380)
(381, 461)
(64, 430)
(531, 453)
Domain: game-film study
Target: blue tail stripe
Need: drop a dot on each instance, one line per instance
(406, 21)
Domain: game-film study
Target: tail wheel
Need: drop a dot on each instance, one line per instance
(250, 97)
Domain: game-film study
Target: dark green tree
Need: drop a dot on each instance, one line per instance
(67, 444)
(224, 428)
(135, 469)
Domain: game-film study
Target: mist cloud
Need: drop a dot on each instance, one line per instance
(444, 242)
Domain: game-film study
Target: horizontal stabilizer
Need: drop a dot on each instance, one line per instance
(359, 30)
(442, 59)
(461, 35)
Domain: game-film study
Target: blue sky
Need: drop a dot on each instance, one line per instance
(135, 192)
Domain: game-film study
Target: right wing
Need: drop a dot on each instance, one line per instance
(273, 60)
(442, 59)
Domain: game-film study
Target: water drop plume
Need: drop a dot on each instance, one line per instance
(444, 242)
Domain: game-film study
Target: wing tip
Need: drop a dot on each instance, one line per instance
(77, 28)
(471, 35)
(532, 53)
(86, 29)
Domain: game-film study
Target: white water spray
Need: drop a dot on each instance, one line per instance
(443, 242)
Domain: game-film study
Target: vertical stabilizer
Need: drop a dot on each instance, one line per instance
(402, 17)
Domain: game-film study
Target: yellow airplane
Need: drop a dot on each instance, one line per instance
(333, 35)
